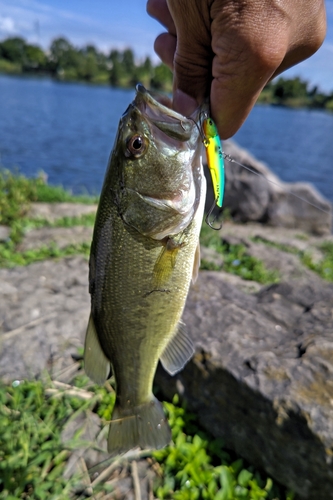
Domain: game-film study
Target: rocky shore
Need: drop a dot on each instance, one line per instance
(262, 374)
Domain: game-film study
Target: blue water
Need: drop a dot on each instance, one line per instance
(67, 130)
(296, 144)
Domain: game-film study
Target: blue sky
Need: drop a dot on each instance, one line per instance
(124, 23)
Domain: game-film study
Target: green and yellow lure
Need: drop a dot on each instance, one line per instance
(215, 159)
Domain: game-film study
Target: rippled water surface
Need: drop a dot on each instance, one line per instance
(67, 130)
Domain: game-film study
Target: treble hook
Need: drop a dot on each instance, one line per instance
(211, 223)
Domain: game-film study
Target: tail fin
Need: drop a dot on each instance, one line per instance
(145, 427)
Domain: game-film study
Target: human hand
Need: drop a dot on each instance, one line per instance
(228, 50)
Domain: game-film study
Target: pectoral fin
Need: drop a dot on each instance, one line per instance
(165, 263)
(96, 364)
(178, 352)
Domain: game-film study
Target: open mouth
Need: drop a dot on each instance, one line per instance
(155, 106)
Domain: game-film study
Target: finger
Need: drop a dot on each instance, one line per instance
(165, 46)
(193, 55)
(159, 10)
(236, 85)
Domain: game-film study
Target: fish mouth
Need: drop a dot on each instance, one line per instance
(156, 100)
(174, 124)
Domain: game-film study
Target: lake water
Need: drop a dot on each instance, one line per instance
(67, 130)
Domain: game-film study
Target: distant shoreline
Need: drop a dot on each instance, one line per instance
(64, 62)
(293, 103)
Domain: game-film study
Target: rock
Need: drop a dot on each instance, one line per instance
(266, 198)
(210, 256)
(299, 212)
(87, 426)
(122, 470)
(59, 236)
(262, 376)
(4, 233)
(44, 315)
(54, 211)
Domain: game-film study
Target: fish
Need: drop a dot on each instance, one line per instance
(144, 255)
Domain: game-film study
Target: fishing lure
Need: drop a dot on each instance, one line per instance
(215, 160)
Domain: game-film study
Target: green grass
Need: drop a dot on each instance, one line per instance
(235, 259)
(16, 195)
(33, 456)
(9, 257)
(197, 466)
(17, 192)
(273, 244)
(324, 267)
(57, 194)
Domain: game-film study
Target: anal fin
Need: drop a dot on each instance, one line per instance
(178, 352)
(96, 364)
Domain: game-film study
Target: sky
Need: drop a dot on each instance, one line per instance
(124, 23)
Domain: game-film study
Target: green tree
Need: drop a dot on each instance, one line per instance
(63, 55)
(100, 58)
(289, 88)
(115, 56)
(116, 71)
(34, 57)
(128, 62)
(13, 50)
(88, 67)
(143, 73)
(162, 78)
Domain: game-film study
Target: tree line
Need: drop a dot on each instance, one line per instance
(295, 92)
(120, 69)
(65, 62)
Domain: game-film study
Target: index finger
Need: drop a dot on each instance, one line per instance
(159, 10)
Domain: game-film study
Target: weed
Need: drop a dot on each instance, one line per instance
(33, 455)
(197, 466)
(235, 259)
(17, 192)
(324, 267)
(9, 257)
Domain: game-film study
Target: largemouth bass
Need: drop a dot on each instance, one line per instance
(144, 254)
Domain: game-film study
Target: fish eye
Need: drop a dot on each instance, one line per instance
(136, 146)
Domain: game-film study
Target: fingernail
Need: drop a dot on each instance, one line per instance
(183, 103)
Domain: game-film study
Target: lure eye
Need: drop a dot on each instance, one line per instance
(136, 146)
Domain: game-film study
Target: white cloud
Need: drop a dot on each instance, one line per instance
(39, 23)
(7, 25)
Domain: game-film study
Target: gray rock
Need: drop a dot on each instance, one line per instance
(54, 211)
(210, 256)
(4, 233)
(262, 376)
(59, 236)
(266, 198)
(44, 314)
